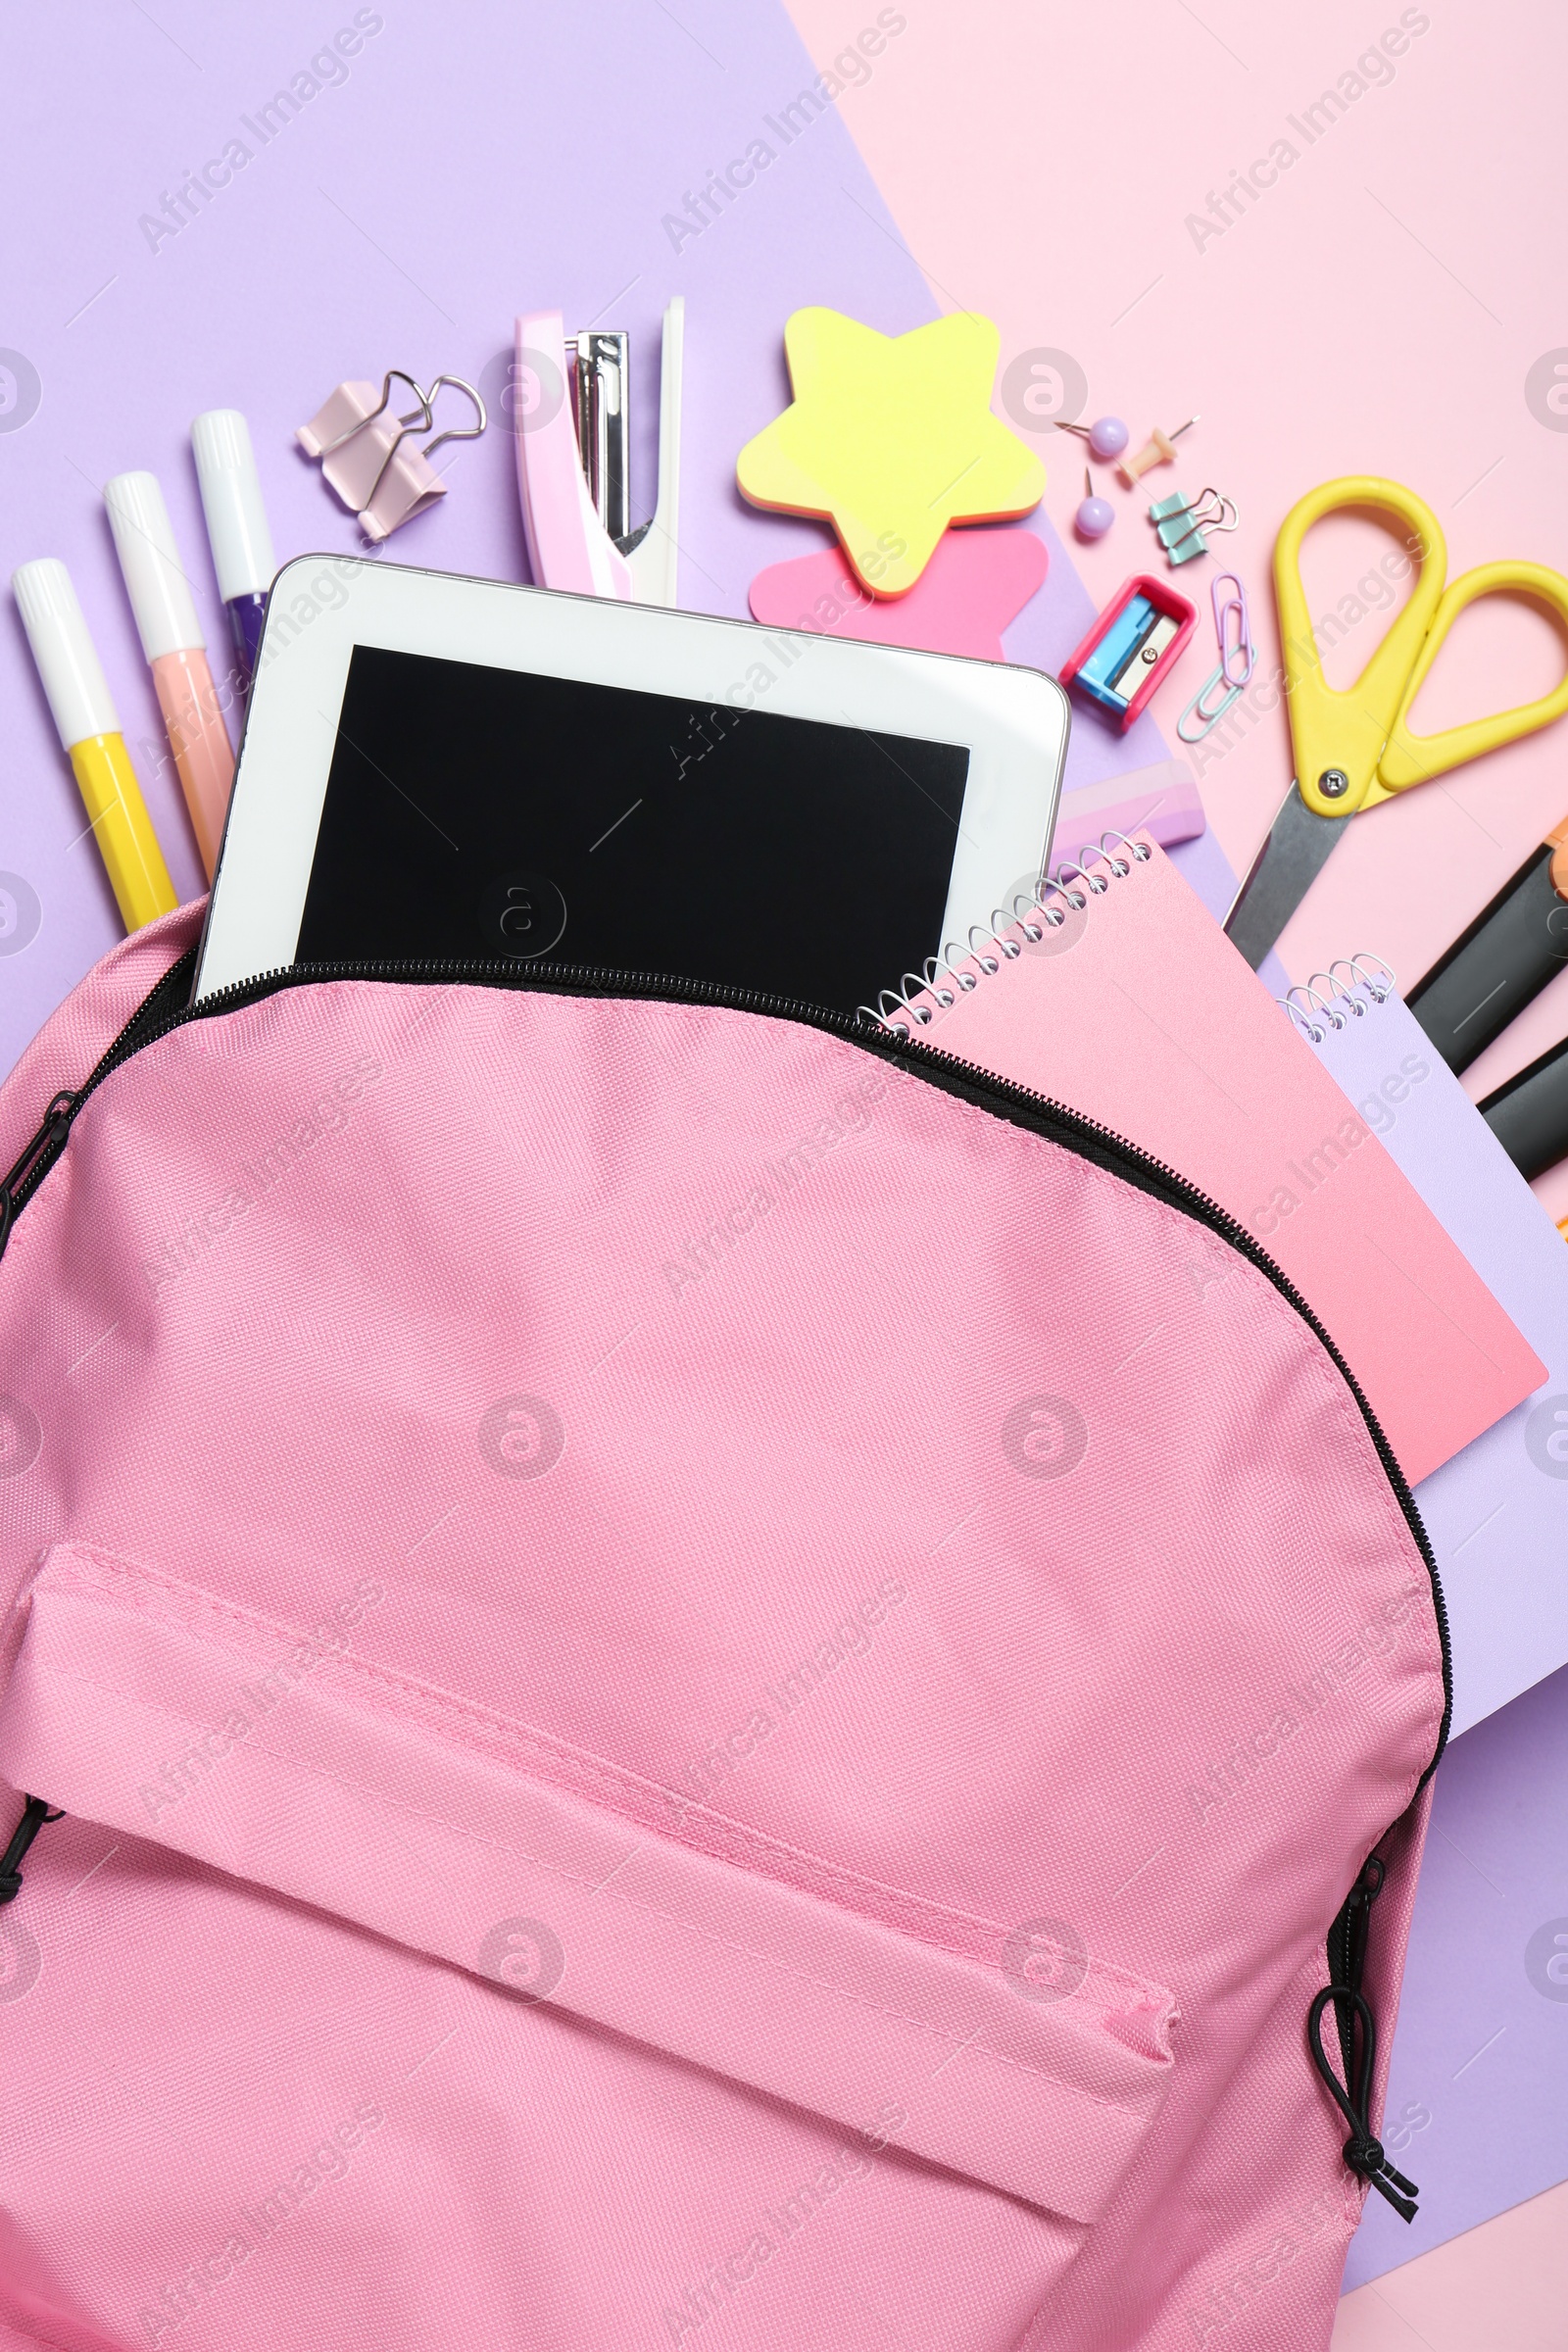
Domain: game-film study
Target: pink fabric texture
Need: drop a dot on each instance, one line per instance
(703, 1696)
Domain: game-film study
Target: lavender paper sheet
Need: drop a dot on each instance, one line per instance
(444, 177)
(1477, 2109)
(394, 207)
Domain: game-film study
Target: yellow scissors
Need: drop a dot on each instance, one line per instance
(1355, 748)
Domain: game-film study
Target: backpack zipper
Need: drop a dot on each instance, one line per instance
(1363, 2151)
(1348, 1935)
(165, 1009)
(34, 1813)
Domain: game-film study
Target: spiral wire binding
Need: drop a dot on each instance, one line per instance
(1376, 989)
(1030, 913)
(1094, 884)
(1322, 1006)
(1379, 987)
(1340, 1002)
(1344, 990)
(1302, 1018)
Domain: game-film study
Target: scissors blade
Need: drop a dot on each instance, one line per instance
(1293, 853)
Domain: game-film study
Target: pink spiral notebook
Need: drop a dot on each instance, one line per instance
(1124, 1000)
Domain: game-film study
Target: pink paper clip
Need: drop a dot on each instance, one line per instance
(572, 471)
(1233, 627)
(365, 452)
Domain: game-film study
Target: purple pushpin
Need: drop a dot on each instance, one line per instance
(1094, 516)
(1106, 438)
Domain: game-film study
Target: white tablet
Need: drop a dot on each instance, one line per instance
(454, 770)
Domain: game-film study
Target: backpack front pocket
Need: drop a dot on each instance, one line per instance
(280, 1757)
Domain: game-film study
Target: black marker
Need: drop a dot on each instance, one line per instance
(1529, 1116)
(1506, 956)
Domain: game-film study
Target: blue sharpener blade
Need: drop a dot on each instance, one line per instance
(1115, 647)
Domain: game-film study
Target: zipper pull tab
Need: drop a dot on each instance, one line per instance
(1367, 2158)
(34, 1813)
(53, 1131)
(1363, 2153)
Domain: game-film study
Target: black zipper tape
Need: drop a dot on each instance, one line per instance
(1363, 2152)
(34, 1813)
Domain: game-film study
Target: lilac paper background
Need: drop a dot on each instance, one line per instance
(1479, 2086)
(468, 165)
(1478, 2091)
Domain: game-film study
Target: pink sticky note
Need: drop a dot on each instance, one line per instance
(976, 583)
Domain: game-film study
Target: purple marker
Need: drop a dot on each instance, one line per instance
(236, 527)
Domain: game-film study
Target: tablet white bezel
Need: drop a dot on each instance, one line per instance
(1014, 721)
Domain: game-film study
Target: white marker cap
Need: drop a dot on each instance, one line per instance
(68, 660)
(155, 579)
(232, 498)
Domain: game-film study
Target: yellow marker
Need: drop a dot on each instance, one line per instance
(893, 437)
(89, 729)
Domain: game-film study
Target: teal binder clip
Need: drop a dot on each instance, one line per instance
(1182, 525)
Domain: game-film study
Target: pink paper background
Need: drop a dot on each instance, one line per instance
(1376, 311)
(1503, 2286)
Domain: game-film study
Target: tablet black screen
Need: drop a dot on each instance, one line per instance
(480, 812)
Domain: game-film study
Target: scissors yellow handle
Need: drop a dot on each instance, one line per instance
(1409, 758)
(1338, 734)
(1354, 745)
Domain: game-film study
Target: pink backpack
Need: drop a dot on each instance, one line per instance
(675, 1674)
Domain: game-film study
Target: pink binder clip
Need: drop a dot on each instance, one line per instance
(571, 468)
(367, 450)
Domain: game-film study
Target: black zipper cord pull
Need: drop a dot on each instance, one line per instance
(1363, 2152)
(34, 1813)
(56, 1126)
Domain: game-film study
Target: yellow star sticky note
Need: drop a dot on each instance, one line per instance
(892, 437)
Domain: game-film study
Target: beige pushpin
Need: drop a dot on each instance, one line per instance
(1158, 450)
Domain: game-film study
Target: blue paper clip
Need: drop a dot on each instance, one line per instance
(1234, 630)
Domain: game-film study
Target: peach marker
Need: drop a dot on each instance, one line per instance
(176, 652)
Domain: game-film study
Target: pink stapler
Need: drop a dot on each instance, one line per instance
(367, 450)
(572, 451)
